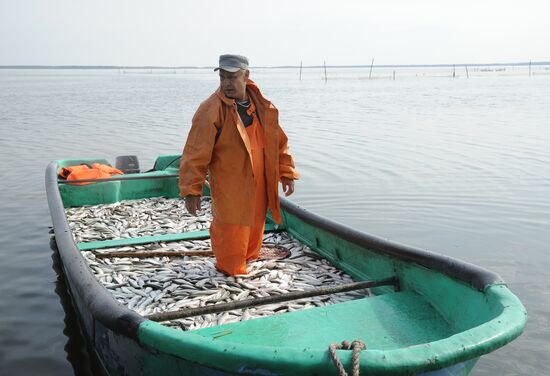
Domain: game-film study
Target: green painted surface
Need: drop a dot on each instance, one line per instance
(269, 227)
(455, 300)
(114, 191)
(353, 259)
(143, 240)
(383, 322)
(168, 162)
(434, 321)
(407, 346)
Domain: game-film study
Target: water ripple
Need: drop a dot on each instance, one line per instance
(460, 167)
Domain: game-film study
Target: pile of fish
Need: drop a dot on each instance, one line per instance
(163, 284)
(135, 218)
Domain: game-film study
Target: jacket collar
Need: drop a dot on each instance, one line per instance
(250, 86)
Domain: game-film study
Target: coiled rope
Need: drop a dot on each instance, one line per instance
(356, 346)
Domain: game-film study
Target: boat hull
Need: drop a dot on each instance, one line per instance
(128, 344)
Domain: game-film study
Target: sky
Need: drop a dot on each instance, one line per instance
(272, 33)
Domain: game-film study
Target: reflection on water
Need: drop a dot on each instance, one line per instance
(457, 166)
(79, 354)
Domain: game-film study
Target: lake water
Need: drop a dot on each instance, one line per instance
(457, 166)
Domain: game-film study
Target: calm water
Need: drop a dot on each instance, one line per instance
(458, 166)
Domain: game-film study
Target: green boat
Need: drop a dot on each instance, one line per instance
(427, 313)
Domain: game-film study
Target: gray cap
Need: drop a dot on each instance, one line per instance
(232, 63)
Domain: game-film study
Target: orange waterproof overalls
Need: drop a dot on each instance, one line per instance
(235, 244)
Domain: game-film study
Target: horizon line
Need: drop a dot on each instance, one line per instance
(75, 66)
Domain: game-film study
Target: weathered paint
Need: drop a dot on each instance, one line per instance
(446, 314)
(192, 235)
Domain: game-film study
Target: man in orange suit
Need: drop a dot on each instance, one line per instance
(236, 137)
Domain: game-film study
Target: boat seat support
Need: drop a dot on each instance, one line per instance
(295, 295)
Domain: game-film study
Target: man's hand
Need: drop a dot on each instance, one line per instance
(192, 204)
(288, 186)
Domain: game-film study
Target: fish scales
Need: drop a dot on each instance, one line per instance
(162, 284)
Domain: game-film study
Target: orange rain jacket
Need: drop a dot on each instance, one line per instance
(218, 143)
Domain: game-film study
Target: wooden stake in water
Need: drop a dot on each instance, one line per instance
(325, 63)
(371, 64)
(454, 71)
(529, 68)
(467, 74)
(394, 75)
(300, 70)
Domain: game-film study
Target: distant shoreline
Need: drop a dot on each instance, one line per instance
(273, 67)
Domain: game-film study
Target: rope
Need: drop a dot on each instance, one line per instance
(356, 346)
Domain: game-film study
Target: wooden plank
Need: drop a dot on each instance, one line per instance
(192, 235)
(295, 295)
(123, 177)
(148, 254)
(267, 252)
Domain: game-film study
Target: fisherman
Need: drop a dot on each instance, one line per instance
(235, 136)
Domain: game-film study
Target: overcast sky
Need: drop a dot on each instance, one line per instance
(176, 33)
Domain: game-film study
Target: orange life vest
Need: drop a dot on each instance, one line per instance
(83, 171)
(107, 169)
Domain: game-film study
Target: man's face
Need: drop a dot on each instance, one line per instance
(234, 84)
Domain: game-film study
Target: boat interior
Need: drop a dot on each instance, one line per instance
(408, 304)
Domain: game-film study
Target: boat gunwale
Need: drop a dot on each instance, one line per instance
(103, 307)
(424, 357)
(126, 321)
(474, 275)
(113, 315)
